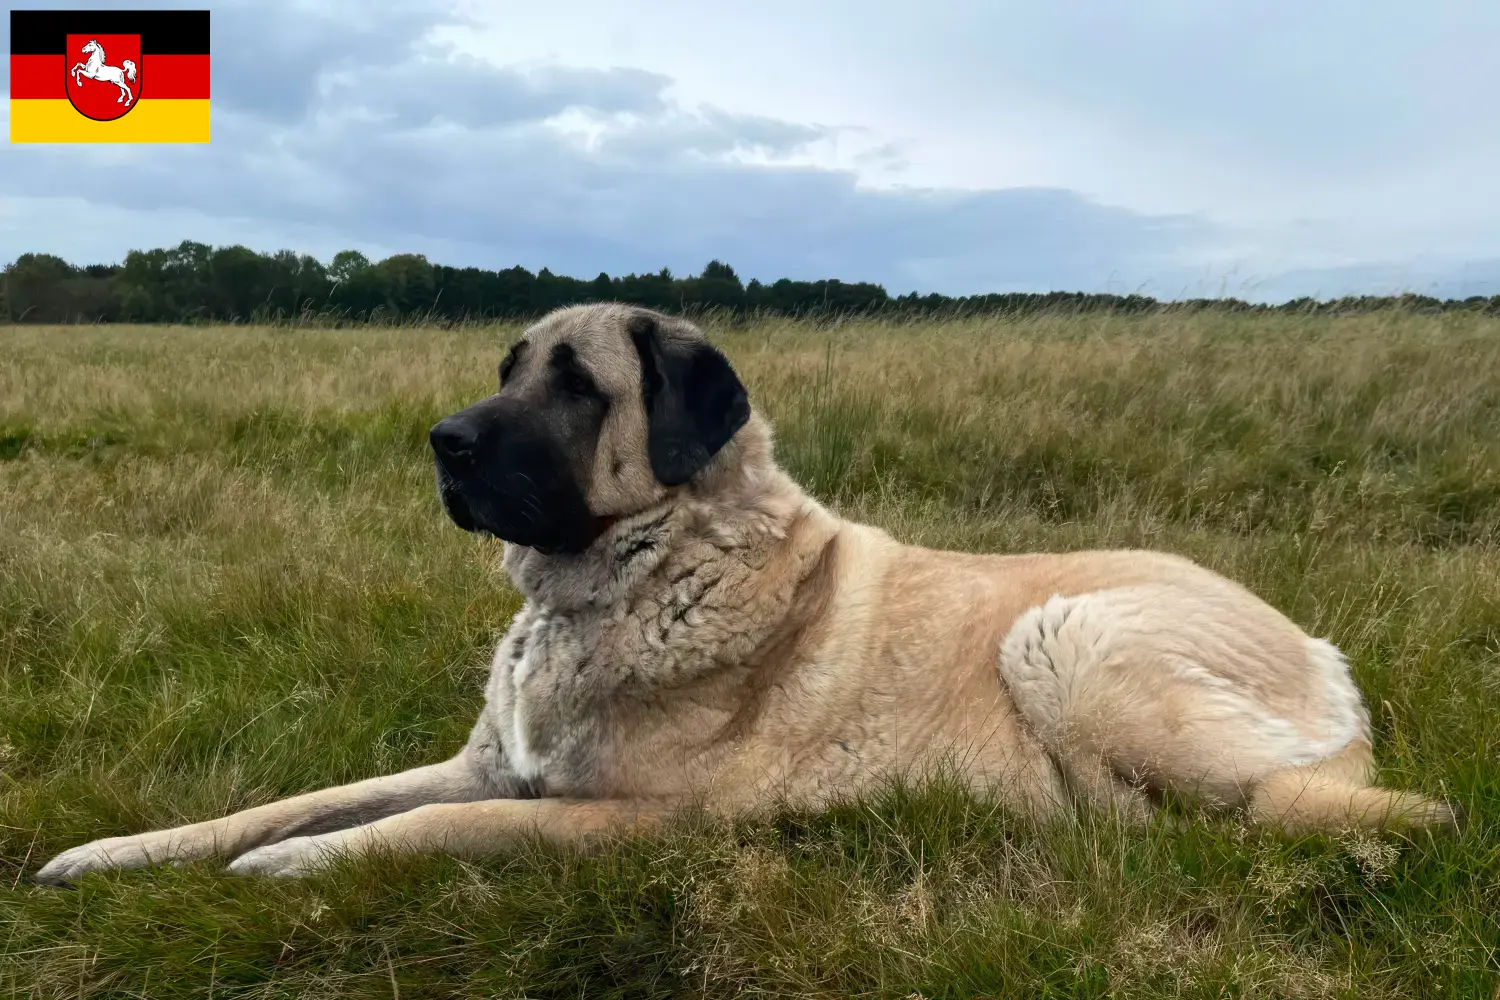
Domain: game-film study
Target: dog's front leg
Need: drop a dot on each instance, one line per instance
(455, 780)
(462, 830)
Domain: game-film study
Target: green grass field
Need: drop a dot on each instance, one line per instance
(225, 577)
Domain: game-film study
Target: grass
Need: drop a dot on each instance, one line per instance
(225, 578)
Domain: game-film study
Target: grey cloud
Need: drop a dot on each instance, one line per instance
(270, 57)
(759, 133)
(529, 195)
(708, 132)
(285, 62)
(349, 123)
(467, 91)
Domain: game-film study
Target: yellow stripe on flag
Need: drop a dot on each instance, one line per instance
(150, 121)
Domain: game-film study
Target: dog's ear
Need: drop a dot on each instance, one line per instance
(694, 401)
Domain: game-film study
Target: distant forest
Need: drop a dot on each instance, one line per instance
(194, 282)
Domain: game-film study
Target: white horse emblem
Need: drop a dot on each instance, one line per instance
(96, 69)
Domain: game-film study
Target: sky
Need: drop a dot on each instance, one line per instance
(1175, 148)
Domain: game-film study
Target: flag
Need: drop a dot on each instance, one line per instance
(109, 76)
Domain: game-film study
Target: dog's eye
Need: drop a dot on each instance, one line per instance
(577, 384)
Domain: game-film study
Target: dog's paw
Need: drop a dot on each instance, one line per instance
(95, 856)
(294, 857)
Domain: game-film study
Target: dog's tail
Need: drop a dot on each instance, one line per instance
(1337, 794)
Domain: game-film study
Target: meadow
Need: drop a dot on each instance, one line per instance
(225, 578)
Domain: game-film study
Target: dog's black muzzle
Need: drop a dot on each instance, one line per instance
(500, 471)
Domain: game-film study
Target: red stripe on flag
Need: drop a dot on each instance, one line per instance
(174, 78)
(37, 78)
(163, 77)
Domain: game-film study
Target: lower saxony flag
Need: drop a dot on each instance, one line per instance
(109, 76)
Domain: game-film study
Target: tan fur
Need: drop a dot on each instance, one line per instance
(732, 644)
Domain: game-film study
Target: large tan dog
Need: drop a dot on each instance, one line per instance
(698, 631)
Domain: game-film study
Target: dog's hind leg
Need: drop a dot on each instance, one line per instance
(1203, 690)
(1090, 778)
(1045, 656)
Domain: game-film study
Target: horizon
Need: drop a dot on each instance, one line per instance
(707, 271)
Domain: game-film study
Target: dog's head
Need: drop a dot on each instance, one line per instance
(601, 410)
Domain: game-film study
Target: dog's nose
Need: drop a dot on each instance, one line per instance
(453, 437)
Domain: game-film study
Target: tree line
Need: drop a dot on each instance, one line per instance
(194, 282)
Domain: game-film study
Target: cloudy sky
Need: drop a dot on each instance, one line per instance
(1172, 147)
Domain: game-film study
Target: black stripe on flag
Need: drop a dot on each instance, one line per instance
(163, 32)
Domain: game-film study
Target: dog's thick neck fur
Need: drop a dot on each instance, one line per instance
(742, 499)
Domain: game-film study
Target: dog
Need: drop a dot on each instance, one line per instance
(697, 631)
